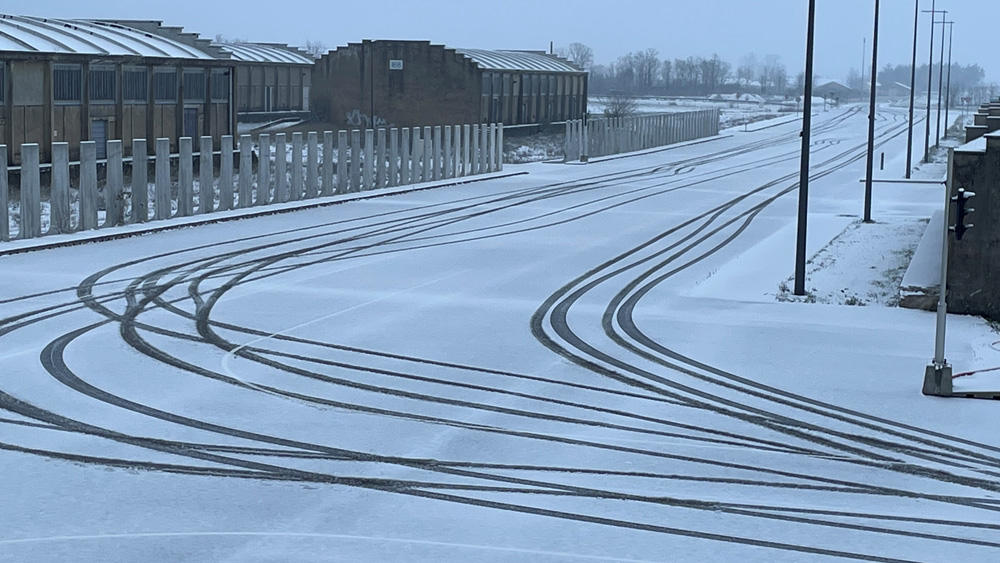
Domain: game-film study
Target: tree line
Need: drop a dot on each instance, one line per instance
(967, 81)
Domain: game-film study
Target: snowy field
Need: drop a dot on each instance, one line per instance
(583, 363)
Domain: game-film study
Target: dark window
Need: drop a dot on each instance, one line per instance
(194, 86)
(165, 86)
(102, 84)
(3, 82)
(487, 83)
(220, 85)
(135, 85)
(67, 83)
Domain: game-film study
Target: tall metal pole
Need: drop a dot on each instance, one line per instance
(947, 96)
(864, 55)
(913, 93)
(800, 250)
(937, 140)
(871, 122)
(930, 80)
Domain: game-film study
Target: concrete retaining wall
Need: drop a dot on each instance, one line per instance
(603, 137)
(252, 172)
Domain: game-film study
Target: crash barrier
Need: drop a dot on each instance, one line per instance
(607, 136)
(251, 172)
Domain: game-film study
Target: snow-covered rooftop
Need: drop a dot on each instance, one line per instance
(29, 34)
(518, 61)
(265, 53)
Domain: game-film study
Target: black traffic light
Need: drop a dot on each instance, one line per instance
(960, 201)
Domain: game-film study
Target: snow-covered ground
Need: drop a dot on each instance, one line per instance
(584, 363)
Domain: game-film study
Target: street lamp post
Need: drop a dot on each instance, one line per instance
(800, 250)
(871, 121)
(913, 93)
(930, 80)
(937, 140)
(947, 96)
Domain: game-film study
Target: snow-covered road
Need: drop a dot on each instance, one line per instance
(539, 368)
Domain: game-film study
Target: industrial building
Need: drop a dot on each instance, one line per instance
(416, 83)
(75, 80)
(272, 81)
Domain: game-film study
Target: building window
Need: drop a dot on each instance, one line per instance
(102, 84)
(3, 82)
(165, 85)
(487, 83)
(220, 85)
(135, 85)
(67, 83)
(194, 86)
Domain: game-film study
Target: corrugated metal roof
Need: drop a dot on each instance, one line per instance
(262, 53)
(518, 61)
(48, 35)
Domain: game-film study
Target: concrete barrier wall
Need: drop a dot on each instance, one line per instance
(603, 137)
(252, 172)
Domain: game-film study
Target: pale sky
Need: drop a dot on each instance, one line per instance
(677, 28)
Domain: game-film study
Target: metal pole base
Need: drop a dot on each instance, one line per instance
(937, 380)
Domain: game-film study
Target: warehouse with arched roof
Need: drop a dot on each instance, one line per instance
(77, 80)
(272, 80)
(413, 83)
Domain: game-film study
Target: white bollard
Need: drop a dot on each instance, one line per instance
(59, 211)
(185, 179)
(206, 176)
(226, 174)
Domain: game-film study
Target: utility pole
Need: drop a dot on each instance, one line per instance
(800, 249)
(913, 93)
(871, 122)
(947, 96)
(937, 141)
(930, 80)
(864, 55)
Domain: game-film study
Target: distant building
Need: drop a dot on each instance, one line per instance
(833, 90)
(75, 80)
(415, 83)
(272, 80)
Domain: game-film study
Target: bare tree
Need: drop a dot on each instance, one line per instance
(581, 55)
(316, 48)
(619, 103)
(647, 65)
(748, 70)
(666, 74)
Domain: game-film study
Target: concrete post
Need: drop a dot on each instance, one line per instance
(206, 176)
(429, 156)
(163, 199)
(140, 182)
(484, 149)
(447, 172)
(59, 212)
(393, 157)
(567, 149)
(264, 170)
(312, 165)
(297, 180)
(474, 163)
(405, 155)
(280, 168)
(115, 188)
(456, 159)
(355, 161)
(4, 197)
(466, 150)
(435, 158)
(327, 163)
(380, 154)
(499, 141)
(491, 156)
(342, 163)
(226, 174)
(31, 208)
(246, 173)
(185, 177)
(417, 157)
(88, 186)
(369, 163)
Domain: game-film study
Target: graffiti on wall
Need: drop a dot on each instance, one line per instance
(357, 119)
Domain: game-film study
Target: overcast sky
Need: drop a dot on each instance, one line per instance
(677, 28)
